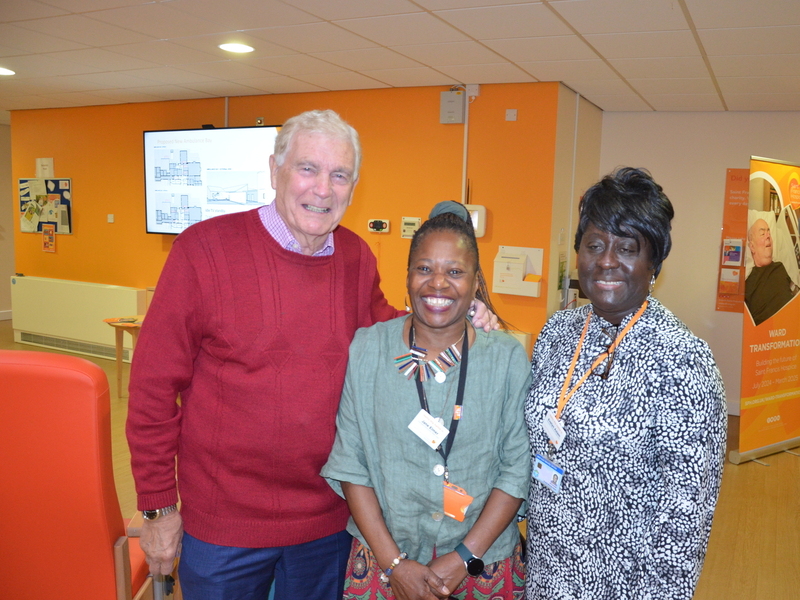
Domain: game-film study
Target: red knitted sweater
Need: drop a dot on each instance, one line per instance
(254, 339)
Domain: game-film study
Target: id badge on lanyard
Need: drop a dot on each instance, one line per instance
(548, 473)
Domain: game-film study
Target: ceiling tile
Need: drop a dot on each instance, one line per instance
(770, 85)
(685, 102)
(282, 85)
(19, 10)
(367, 59)
(98, 59)
(77, 6)
(162, 52)
(94, 50)
(743, 13)
(699, 85)
(226, 70)
(401, 30)
(497, 73)
(172, 92)
(591, 87)
(101, 81)
(83, 30)
(498, 22)
(622, 16)
(244, 14)
(565, 47)
(47, 65)
(619, 103)
(314, 37)
(81, 98)
(653, 44)
(660, 68)
(209, 44)
(158, 20)
(751, 40)
(128, 95)
(780, 65)
(170, 75)
(453, 53)
(28, 102)
(416, 77)
(10, 86)
(354, 9)
(224, 88)
(347, 80)
(296, 64)
(563, 70)
(445, 4)
(18, 40)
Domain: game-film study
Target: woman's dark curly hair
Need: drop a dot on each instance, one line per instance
(629, 203)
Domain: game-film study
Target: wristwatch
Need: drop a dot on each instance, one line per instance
(473, 563)
(152, 515)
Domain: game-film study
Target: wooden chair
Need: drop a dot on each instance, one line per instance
(62, 534)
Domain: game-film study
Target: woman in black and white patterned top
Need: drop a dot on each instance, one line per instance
(627, 418)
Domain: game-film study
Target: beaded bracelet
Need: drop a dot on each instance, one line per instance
(388, 572)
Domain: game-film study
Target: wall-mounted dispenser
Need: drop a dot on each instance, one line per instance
(518, 271)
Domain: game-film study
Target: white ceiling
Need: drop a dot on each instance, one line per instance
(623, 55)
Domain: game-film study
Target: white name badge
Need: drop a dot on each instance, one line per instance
(428, 430)
(548, 473)
(553, 428)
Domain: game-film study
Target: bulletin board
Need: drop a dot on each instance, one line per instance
(45, 201)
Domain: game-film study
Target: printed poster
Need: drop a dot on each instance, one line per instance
(730, 283)
(770, 403)
(49, 237)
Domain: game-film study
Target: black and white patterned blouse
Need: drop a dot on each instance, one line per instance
(643, 458)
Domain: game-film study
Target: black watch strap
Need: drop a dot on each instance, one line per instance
(473, 563)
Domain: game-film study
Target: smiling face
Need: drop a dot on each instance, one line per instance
(614, 272)
(759, 240)
(313, 187)
(442, 281)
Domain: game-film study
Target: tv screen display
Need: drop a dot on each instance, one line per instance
(195, 174)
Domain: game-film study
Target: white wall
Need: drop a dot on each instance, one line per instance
(688, 153)
(6, 223)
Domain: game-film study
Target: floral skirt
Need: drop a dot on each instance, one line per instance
(502, 580)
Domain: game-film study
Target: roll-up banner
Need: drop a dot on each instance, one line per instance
(770, 402)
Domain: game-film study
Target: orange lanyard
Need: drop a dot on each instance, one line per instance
(564, 397)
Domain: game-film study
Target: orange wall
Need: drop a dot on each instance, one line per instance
(411, 161)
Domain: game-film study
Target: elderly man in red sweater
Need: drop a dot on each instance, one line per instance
(251, 326)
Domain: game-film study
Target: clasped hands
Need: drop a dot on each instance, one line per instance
(411, 580)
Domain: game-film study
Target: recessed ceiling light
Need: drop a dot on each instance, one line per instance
(238, 48)
(6, 71)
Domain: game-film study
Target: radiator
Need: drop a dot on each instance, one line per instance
(68, 315)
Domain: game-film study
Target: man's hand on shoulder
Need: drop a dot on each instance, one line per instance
(482, 317)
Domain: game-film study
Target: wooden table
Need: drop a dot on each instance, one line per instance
(122, 324)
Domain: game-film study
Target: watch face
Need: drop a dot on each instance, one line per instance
(150, 514)
(474, 566)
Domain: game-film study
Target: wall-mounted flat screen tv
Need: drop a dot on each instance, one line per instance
(194, 174)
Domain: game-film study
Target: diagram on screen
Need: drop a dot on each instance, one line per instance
(191, 176)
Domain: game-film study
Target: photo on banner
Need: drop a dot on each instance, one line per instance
(770, 403)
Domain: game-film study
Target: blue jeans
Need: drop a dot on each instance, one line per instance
(311, 570)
